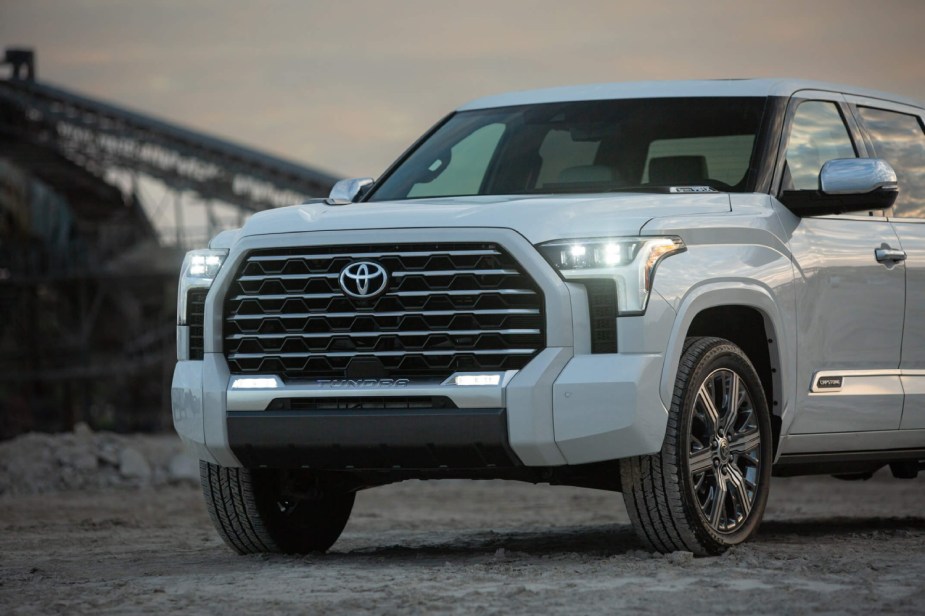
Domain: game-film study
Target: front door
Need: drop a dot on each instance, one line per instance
(849, 304)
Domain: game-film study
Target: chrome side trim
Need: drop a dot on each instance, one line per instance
(848, 375)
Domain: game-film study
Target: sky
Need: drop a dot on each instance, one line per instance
(346, 86)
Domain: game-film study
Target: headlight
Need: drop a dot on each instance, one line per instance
(629, 261)
(200, 267)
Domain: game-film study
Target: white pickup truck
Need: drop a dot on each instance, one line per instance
(669, 289)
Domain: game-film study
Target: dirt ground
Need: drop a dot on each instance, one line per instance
(461, 547)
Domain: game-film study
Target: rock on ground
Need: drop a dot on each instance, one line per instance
(39, 463)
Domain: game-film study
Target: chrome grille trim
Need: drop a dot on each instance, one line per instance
(236, 356)
(449, 307)
(447, 332)
(397, 294)
(425, 313)
(370, 255)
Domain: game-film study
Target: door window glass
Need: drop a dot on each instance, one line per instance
(899, 140)
(818, 135)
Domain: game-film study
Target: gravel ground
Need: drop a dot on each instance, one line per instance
(462, 547)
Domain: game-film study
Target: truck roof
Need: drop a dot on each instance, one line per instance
(671, 89)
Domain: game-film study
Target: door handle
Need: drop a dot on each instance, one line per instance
(892, 255)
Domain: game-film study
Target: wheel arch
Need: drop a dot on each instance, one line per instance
(746, 315)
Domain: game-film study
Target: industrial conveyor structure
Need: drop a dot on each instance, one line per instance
(97, 205)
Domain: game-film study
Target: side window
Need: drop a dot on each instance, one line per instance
(461, 169)
(818, 135)
(899, 140)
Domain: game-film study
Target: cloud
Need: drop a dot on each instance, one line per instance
(347, 86)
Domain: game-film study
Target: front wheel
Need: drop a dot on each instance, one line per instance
(707, 488)
(261, 510)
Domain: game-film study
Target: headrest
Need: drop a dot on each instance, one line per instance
(674, 170)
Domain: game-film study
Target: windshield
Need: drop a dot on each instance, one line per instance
(583, 147)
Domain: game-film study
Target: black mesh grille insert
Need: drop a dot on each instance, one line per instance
(602, 306)
(195, 318)
(447, 308)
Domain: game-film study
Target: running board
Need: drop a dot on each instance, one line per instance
(845, 462)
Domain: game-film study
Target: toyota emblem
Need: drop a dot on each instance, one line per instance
(363, 280)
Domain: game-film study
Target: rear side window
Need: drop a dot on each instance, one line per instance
(818, 134)
(898, 139)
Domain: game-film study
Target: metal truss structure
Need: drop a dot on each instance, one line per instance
(97, 136)
(90, 248)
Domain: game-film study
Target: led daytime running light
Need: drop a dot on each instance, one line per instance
(200, 267)
(630, 261)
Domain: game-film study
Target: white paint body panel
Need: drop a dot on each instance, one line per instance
(538, 219)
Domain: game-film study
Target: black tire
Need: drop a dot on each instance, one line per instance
(252, 514)
(705, 497)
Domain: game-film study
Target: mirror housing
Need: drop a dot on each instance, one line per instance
(847, 185)
(856, 176)
(349, 191)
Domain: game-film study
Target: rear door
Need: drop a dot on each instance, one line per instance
(895, 133)
(849, 306)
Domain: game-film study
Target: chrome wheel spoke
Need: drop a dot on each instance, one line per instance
(711, 415)
(701, 461)
(719, 502)
(739, 490)
(732, 403)
(745, 443)
(699, 484)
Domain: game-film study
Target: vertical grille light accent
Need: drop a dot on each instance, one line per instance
(602, 308)
(195, 318)
(447, 308)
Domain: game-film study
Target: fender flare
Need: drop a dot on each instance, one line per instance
(731, 293)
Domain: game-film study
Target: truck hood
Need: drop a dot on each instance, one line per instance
(537, 218)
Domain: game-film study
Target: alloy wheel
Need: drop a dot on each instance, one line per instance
(724, 455)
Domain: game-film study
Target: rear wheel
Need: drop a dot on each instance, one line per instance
(707, 488)
(258, 510)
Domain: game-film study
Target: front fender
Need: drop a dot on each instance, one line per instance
(769, 292)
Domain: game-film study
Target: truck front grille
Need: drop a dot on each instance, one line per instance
(447, 308)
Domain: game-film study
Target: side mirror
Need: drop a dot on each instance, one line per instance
(847, 185)
(857, 176)
(348, 191)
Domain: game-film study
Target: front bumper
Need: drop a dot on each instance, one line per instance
(566, 406)
(561, 409)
